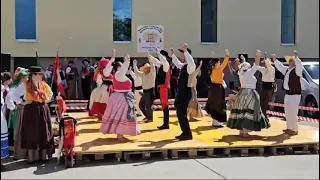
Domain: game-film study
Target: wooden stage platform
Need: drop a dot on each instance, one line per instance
(206, 140)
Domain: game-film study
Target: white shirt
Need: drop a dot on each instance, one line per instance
(21, 91)
(136, 77)
(148, 80)
(163, 62)
(268, 72)
(285, 70)
(247, 78)
(68, 70)
(190, 61)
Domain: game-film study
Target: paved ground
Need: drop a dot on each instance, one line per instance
(274, 167)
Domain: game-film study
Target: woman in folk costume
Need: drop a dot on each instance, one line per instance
(36, 131)
(100, 95)
(6, 78)
(4, 131)
(194, 109)
(216, 104)
(120, 115)
(14, 116)
(246, 114)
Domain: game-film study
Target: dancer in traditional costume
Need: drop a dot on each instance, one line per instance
(234, 72)
(163, 82)
(138, 91)
(268, 79)
(86, 78)
(148, 76)
(6, 82)
(4, 130)
(120, 115)
(293, 84)
(14, 116)
(184, 95)
(100, 95)
(216, 104)
(194, 109)
(36, 131)
(246, 114)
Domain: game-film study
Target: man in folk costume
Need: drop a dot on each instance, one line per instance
(148, 75)
(86, 78)
(100, 95)
(187, 67)
(72, 75)
(216, 104)
(36, 129)
(293, 85)
(268, 79)
(138, 91)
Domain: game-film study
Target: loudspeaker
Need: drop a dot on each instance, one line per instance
(5, 62)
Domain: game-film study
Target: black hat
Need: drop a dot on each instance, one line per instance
(164, 53)
(71, 62)
(86, 60)
(189, 51)
(5, 76)
(35, 69)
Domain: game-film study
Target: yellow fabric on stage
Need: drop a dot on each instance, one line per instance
(90, 140)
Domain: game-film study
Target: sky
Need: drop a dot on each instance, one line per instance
(122, 8)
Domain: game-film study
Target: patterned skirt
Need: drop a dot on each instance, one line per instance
(246, 112)
(98, 100)
(4, 137)
(194, 109)
(120, 115)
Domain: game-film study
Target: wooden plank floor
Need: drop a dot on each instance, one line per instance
(91, 141)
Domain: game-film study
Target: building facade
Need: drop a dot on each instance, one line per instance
(91, 28)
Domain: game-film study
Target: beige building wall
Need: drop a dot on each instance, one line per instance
(83, 28)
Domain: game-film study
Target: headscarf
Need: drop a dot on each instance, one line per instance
(20, 76)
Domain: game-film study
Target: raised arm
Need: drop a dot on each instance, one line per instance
(135, 68)
(154, 60)
(175, 60)
(269, 68)
(191, 65)
(225, 60)
(107, 70)
(197, 71)
(283, 69)
(299, 66)
(163, 61)
(121, 74)
(257, 62)
(17, 93)
(132, 74)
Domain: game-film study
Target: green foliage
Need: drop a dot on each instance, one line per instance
(121, 28)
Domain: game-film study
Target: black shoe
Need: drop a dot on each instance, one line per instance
(163, 127)
(178, 137)
(185, 137)
(217, 126)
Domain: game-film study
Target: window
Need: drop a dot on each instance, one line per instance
(122, 14)
(209, 21)
(25, 19)
(288, 21)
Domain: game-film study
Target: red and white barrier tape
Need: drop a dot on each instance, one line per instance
(205, 99)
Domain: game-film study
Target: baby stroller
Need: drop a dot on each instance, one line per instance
(67, 133)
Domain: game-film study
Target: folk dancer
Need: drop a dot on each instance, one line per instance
(6, 78)
(184, 94)
(86, 78)
(148, 76)
(293, 84)
(100, 95)
(4, 130)
(15, 110)
(216, 104)
(163, 82)
(138, 91)
(36, 129)
(246, 114)
(72, 76)
(234, 72)
(120, 116)
(194, 108)
(268, 80)
(174, 79)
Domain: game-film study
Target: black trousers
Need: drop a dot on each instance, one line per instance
(146, 103)
(181, 105)
(173, 87)
(265, 98)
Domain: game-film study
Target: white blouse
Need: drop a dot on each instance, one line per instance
(190, 61)
(268, 72)
(247, 78)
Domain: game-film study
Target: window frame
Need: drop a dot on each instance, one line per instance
(23, 40)
(294, 21)
(215, 21)
(131, 32)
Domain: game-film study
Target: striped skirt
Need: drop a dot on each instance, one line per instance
(246, 112)
(4, 137)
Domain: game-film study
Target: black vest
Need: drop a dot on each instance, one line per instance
(71, 77)
(161, 77)
(183, 78)
(175, 72)
(62, 75)
(294, 83)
